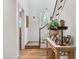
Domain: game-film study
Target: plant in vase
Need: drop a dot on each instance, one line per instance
(53, 28)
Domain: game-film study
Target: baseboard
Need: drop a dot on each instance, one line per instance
(27, 43)
(32, 47)
(12, 57)
(33, 41)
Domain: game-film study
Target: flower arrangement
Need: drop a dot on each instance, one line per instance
(53, 25)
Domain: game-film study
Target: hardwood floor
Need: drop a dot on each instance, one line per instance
(37, 54)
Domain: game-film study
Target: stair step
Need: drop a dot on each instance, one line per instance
(32, 45)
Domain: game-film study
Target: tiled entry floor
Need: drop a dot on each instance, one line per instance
(36, 54)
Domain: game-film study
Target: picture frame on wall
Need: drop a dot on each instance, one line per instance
(27, 21)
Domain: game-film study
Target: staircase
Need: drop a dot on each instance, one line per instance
(43, 31)
(32, 45)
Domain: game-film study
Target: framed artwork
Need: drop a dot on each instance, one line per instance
(27, 21)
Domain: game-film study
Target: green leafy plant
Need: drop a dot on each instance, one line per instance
(53, 25)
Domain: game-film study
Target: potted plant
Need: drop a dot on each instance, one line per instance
(53, 28)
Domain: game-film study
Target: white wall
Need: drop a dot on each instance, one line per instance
(11, 45)
(24, 34)
(69, 15)
(33, 8)
(25, 5)
(36, 7)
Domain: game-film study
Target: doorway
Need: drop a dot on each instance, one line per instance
(21, 28)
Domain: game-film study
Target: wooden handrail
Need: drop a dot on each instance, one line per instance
(54, 8)
(44, 26)
(58, 46)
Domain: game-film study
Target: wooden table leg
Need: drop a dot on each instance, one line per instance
(70, 55)
(47, 48)
(57, 55)
(46, 44)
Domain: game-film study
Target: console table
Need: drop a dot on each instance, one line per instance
(59, 49)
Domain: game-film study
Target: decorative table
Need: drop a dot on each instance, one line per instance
(58, 50)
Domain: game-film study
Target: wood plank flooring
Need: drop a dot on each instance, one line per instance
(37, 54)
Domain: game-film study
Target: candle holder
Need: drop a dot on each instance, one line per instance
(62, 27)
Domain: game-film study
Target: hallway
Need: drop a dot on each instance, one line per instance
(28, 24)
(36, 54)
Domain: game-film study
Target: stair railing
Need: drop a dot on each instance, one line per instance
(60, 8)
